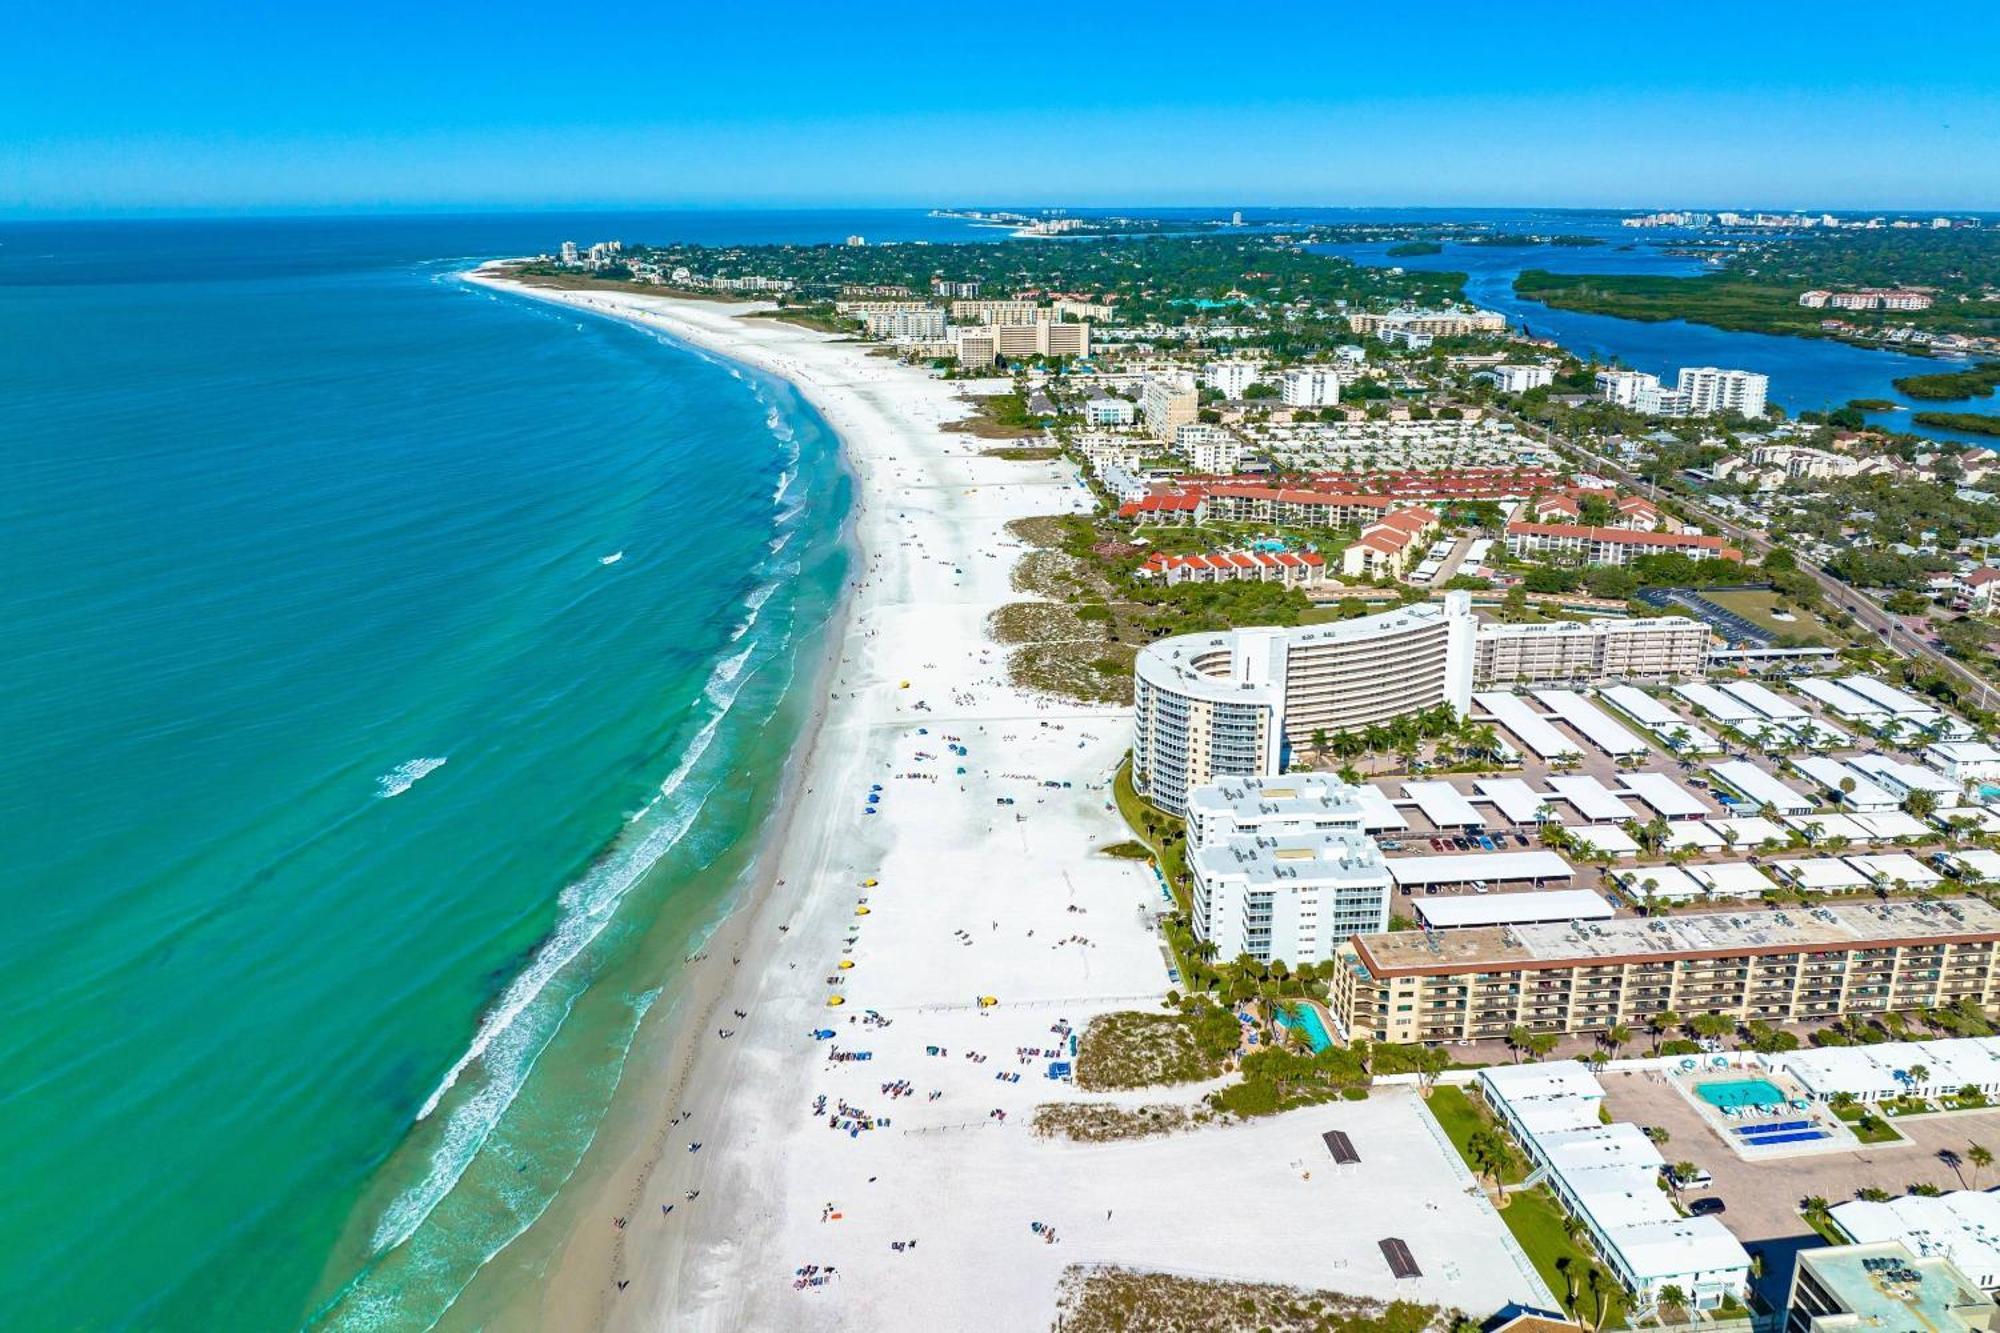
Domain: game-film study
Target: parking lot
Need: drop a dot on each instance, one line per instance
(1762, 1198)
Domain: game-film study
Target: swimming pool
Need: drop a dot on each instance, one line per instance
(1730, 1093)
(1307, 1017)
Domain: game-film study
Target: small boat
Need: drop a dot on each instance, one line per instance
(611, 559)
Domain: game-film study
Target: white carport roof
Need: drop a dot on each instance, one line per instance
(1508, 909)
(1888, 867)
(1606, 838)
(1444, 805)
(1819, 827)
(1664, 795)
(1592, 799)
(1378, 813)
(1697, 833)
(1977, 863)
(1759, 787)
(1493, 867)
(1751, 830)
(1820, 873)
(1671, 884)
(1733, 879)
(1530, 727)
(1722, 707)
(1512, 797)
(1891, 824)
(1764, 701)
(1596, 725)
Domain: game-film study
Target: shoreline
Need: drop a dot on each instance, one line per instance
(930, 922)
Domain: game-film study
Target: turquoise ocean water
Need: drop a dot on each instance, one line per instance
(353, 806)
(353, 810)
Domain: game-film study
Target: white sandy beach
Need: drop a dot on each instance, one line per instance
(973, 898)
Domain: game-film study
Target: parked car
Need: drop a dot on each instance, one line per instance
(1707, 1207)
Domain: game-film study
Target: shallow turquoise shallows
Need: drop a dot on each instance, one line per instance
(1737, 1092)
(383, 657)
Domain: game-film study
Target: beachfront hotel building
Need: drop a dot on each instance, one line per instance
(1259, 807)
(1656, 648)
(1800, 965)
(1290, 896)
(1208, 706)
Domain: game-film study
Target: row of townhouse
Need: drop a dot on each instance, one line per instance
(1610, 546)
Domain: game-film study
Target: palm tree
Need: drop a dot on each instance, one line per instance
(1615, 1036)
(1981, 1157)
(1661, 1024)
(1518, 1038)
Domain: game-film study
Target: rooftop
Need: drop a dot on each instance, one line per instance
(1833, 926)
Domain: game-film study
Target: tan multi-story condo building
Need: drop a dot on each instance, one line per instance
(1803, 964)
(1656, 648)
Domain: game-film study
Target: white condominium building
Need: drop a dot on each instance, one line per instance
(1168, 403)
(1209, 706)
(1711, 391)
(1292, 896)
(919, 324)
(1266, 807)
(1211, 449)
(1656, 648)
(1310, 386)
(1519, 379)
(1230, 378)
(1108, 411)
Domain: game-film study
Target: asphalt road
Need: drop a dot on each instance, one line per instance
(1865, 610)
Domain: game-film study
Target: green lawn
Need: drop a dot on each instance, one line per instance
(1756, 607)
(1461, 1118)
(1536, 1220)
(1877, 1130)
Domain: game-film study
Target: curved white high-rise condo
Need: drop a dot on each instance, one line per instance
(1207, 706)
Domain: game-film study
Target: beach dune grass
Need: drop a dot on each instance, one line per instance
(1135, 1049)
(1123, 1300)
(1105, 1122)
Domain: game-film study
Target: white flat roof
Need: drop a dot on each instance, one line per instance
(1830, 773)
(1592, 799)
(1550, 1078)
(1888, 867)
(1700, 833)
(1444, 805)
(1764, 701)
(1977, 863)
(1506, 909)
(1530, 727)
(1963, 1226)
(1819, 827)
(1720, 706)
(1606, 838)
(1751, 831)
(1839, 698)
(1913, 776)
(1888, 696)
(1641, 707)
(1891, 824)
(1759, 787)
(1964, 752)
(1670, 884)
(1733, 879)
(1493, 867)
(1378, 813)
(1665, 1250)
(1512, 797)
(1664, 795)
(1593, 722)
(1820, 872)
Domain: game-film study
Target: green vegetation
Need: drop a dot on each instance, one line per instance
(1134, 1049)
(1406, 249)
(999, 416)
(1466, 1123)
(1756, 606)
(1872, 404)
(1972, 423)
(1103, 1122)
(1867, 1126)
(1029, 453)
(1120, 1300)
(819, 318)
(1717, 299)
(1947, 386)
(1131, 850)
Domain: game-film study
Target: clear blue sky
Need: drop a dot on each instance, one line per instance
(182, 105)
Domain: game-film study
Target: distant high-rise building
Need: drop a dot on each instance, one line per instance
(1711, 391)
(1230, 378)
(1169, 402)
(1310, 386)
(569, 252)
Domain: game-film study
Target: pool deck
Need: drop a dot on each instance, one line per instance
(1839, 1138)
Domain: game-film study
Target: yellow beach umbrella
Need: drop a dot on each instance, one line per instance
(861, 911)
(868, 883)
(988, 1001)
(834, 1002)
(846, 963)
